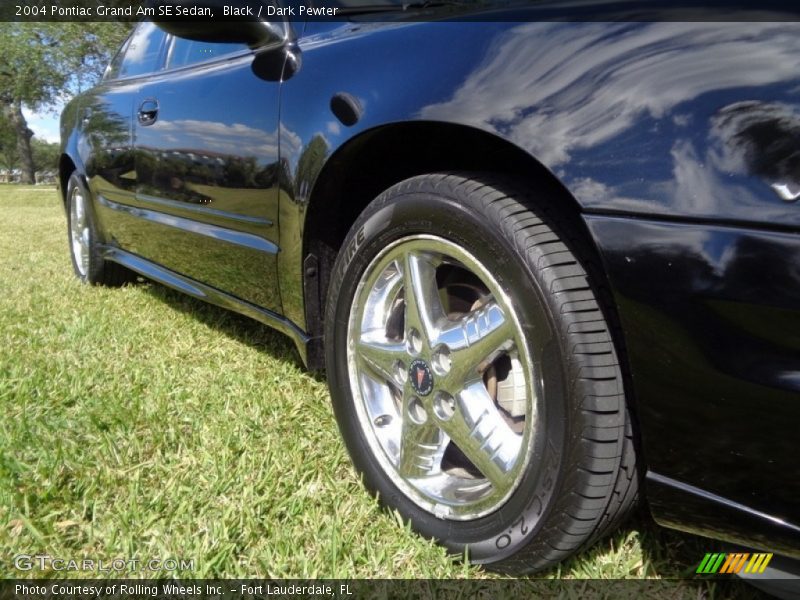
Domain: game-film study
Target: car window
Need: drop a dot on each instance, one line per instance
(143, 54)
(188, 52)
(112, 70)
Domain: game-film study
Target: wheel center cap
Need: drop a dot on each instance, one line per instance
(421, 377)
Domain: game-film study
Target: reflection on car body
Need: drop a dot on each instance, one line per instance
(647, 333)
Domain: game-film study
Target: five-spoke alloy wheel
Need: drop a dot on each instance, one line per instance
(441, 377)
(79, 230)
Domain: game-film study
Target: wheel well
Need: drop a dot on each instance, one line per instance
(65, 169)
(381, 157)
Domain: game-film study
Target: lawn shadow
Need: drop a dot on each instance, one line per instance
(666, 554)
(234, 325)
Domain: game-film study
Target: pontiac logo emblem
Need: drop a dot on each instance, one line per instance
(419, 373)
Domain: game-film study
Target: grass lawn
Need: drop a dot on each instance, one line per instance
(139, 423)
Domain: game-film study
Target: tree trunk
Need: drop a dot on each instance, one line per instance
(14, 115)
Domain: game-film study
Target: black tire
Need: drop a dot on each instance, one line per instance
(94, 269)
(581, 476)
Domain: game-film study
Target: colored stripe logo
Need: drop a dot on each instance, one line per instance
(737, 562)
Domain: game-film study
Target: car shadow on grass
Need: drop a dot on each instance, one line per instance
(665, 554)
(233, 325)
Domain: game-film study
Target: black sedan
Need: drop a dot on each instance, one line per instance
(546, 264)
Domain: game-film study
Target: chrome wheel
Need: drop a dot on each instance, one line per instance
(441, 377)
(79, 230)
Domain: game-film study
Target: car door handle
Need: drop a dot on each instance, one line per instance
(148, 112)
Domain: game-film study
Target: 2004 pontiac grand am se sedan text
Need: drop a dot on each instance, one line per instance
(546, 264)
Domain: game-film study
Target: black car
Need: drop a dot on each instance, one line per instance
(546, 264)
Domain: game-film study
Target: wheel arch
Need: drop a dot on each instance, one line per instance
(380, 157)
(66, 166)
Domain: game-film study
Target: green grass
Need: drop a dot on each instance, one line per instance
(139, 423)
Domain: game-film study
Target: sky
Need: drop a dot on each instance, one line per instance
(44, 123)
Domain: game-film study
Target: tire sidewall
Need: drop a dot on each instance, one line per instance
(398, 214)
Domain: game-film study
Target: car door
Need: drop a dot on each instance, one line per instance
(105, 119)
(206, 136)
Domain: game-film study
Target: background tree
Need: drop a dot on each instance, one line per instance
(45, 155)
(8, 145)
(43, 63)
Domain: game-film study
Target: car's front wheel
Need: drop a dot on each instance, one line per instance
(473, 373)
